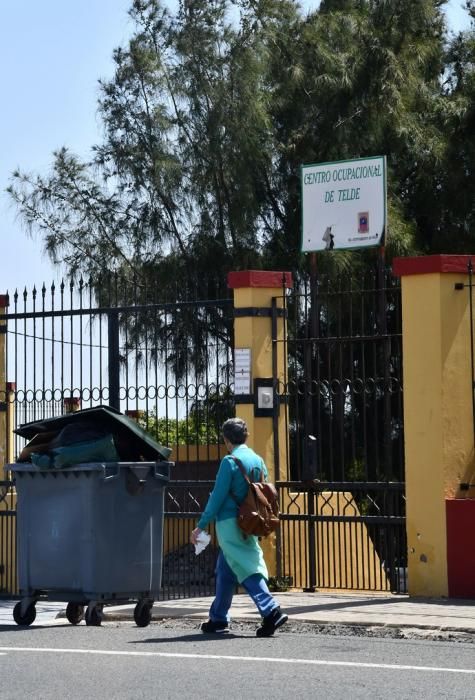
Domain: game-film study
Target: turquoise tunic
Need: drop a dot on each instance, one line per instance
(242, 552)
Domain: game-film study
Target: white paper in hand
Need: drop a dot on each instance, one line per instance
(202, 541)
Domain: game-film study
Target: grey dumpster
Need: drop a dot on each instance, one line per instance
(88, 535)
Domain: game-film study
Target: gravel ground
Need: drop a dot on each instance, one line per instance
(310, 628)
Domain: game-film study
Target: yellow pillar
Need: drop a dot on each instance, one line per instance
(438, 420)
(254, 292)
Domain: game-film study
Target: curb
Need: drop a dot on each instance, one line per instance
(245, 620)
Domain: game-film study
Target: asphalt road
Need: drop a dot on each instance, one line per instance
(120, 660)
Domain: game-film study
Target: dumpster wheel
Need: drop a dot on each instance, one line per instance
(74, 613)
(28, 618)
(143, 613)
(94, 615)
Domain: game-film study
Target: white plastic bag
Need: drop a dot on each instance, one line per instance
(202, 541)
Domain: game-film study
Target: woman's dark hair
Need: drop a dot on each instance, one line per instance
(235, 430)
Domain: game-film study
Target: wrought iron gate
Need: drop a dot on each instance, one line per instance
(343, 506)
(166, 365)
(169, 365)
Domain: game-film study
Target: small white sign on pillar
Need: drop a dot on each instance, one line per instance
(242, 370)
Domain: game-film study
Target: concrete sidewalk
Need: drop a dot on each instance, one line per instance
(371, 610)
(329, 609)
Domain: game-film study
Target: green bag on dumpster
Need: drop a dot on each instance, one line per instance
(99, 450)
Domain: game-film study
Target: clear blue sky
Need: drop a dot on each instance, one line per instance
(53, 52)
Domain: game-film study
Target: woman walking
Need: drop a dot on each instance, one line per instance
(241, 559)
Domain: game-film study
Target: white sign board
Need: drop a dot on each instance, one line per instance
(344, 204)
(242, 370)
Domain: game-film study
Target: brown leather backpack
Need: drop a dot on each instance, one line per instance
(259, 512)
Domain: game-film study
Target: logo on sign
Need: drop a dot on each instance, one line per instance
(363, 222)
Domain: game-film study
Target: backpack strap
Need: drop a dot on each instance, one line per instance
(243, 471)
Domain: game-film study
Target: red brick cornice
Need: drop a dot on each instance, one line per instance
(425, 264)
(3, 300)
(259, 278)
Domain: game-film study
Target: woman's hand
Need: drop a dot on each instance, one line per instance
(194, 535)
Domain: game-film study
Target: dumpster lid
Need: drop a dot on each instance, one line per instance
(112, 419)
(109, 469)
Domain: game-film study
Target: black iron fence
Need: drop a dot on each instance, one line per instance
(169, 365)
(343, 536)
(343, 506)
(344, 348)
(184, 573)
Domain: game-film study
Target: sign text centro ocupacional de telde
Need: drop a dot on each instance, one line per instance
(344, 204)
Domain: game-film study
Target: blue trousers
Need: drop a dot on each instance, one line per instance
(226, 583)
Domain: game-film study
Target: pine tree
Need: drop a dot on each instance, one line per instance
(211, 113)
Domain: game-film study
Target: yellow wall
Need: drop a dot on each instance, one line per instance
(197, 453)
(8, 579)
(437, 418)
(176, 533)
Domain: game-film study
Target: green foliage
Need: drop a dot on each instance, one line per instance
(280, 583)
(185, 431)
(356, 471)
(211, 113)
(202, 426)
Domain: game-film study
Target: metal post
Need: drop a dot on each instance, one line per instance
(386, 345)
(308, 461)
(275, 392)
(275, 425)
(114, 358)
